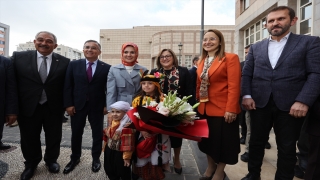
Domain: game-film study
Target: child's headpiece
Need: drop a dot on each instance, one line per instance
(155, 78)
(121, 105)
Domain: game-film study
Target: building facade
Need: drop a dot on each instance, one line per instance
(4, 39)
(250, 20)
(152, 39)
(71, 53)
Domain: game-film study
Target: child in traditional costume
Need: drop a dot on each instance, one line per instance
(150, 165)
(119, 143)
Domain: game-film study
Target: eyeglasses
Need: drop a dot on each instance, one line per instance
(91, 47)
(209, 39)
(166, 56)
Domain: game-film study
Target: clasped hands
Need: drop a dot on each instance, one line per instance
(297, 110)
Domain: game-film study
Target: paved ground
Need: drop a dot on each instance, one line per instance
(191, 171)
(194, 162)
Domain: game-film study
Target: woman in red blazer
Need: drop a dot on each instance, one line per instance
(218, 91)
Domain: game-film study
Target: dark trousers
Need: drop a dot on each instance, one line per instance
(287, 130)
(313, 168)
(2, 120)
(114, 165)
(30, 130)
(243, 124)
(78, 122)
(303, 146)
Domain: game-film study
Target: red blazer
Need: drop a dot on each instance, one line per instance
(224, 88)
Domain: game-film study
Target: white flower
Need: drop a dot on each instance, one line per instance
(163, 110)
(137, 115)
(153, 103)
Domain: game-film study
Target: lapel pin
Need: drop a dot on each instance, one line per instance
(57, 60)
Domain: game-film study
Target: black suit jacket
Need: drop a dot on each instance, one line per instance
(185, 87)
(8, 89)
(30, 85)
(78, 89)
(193, 76)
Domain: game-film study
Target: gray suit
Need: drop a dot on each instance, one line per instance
(295, 78)
(121, 85)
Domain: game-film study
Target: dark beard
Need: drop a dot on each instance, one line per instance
(281, 32)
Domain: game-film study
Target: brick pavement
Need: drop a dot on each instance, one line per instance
(189, 164)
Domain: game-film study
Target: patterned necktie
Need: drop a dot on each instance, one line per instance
(89, 71)
(43, 75)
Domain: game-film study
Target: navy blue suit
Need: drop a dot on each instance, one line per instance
(8, 91)
(89, 100)
(295, 78)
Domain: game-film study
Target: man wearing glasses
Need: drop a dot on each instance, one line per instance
(84, 97)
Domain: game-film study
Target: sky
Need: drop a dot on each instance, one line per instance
(75, 21)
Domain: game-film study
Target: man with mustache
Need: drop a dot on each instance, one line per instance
(280, 81)
(40, 78)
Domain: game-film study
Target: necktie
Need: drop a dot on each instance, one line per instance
(89, 71)
(43, 75)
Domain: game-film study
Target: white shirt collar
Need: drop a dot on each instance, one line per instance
(284, 38)
(39, 55)
(94, 62)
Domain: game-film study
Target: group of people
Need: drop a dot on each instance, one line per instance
(279, 86)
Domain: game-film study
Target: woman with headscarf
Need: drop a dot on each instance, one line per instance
(124, 79)
(177, 78)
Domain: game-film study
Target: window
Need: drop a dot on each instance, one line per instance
(1, 49)
(58, 49)
(256, 32)
(245, 4)
(305, 16)
(1, 35)
(2, 42)
(1, 29)
(188, 61)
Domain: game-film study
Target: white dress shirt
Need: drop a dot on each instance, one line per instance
(275, 49)
(40, 59)
(93, 66)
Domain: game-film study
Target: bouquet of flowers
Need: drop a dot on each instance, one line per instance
(178, 109)
(173, 116)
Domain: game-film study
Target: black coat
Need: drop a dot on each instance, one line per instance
(8, 89)
(29, 83)
(185, 87)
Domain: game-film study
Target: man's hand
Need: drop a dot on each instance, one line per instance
(105, 111)
(71, 110)
(299, 110)
(248, 103)
(10, 119)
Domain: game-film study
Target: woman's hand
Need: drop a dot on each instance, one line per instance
(230, 117)
(126, 162)
(145, 134)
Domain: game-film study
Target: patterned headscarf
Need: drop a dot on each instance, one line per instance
(135, 47)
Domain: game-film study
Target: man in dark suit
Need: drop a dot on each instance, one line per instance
(313, 127)
(280, 81)
(8, 96)
(40, 77)
(84, 96)
(193, 75)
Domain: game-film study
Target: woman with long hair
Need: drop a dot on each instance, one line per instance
(218, 91)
